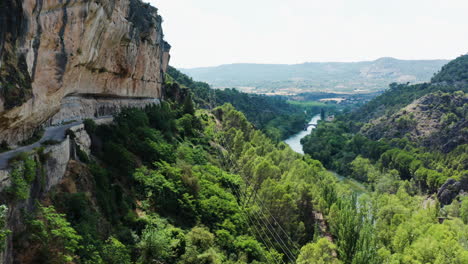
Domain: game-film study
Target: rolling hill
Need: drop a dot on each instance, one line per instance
(318, 76)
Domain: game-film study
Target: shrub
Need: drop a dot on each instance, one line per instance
(57, 238)
(3, 231)
(90, 126)
(4, 146)
(50, 142)
(114, 252)
(23, 173)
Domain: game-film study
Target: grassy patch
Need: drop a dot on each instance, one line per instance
(307, 103)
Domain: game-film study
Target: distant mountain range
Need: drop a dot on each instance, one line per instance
(364, 76)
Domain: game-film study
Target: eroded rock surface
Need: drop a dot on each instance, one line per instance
(53, 48)
(435, 120)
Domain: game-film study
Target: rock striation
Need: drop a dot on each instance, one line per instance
(51, 49)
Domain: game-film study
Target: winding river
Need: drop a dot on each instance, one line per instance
(295, 143)
(295, 140)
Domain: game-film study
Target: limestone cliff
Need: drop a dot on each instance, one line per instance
(50, 49)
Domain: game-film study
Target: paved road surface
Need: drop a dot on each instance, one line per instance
(56, 133)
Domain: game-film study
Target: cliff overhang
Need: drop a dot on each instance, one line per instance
(51, 50)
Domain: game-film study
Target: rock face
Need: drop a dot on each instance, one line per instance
(74, 108)
(434, 120)
(50, 49)
(449, 191)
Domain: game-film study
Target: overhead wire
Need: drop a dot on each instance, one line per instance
(247, 218)
(264, 219)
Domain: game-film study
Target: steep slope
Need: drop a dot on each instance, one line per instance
(454, 73)
(432, 114)
(449, 79)
(272, 114)
(53, 49)
(435, 120)
(314, 76)
(415, 133)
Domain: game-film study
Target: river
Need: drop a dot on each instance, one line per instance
(295, 143)
(295, 140)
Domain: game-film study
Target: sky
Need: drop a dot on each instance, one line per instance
(214, 32)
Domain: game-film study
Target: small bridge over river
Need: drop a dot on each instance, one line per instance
(308, 125)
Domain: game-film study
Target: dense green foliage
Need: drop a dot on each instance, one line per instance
(455, 71)
(3, 230)
(379, 161)
(22, 175)
(395, 98)
(175, 186)
(57, 239)
(400, 219)
(320, 252)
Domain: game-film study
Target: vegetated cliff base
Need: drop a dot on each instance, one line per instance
(32, 176)
(435, 120)
(50, 49)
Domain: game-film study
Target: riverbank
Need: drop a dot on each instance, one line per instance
(295, 143)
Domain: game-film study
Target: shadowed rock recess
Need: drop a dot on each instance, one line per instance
(56, 48)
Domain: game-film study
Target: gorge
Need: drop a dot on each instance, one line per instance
(109, 155)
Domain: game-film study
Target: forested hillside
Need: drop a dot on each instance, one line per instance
(409, 147)
(171, 185)
(455, 72)
(110, 156)
(400, 95)
(272, 114)
(412, 136)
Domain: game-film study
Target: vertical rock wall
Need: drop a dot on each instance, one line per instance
(53, 48)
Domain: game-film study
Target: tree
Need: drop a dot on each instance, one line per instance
(464, 210)
(114, 252)
(154, 245)
(361, 167)
(345, 224)
(188, 105)
(200, 248)
(320, 252)
(58, 240)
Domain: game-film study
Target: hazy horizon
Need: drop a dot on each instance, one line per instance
(208, 33)
(305, 62)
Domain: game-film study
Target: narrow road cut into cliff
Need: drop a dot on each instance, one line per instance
(55, 133)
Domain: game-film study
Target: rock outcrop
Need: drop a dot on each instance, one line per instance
(79, 107)
(50, 49)
(55, 163)
(450, 190)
